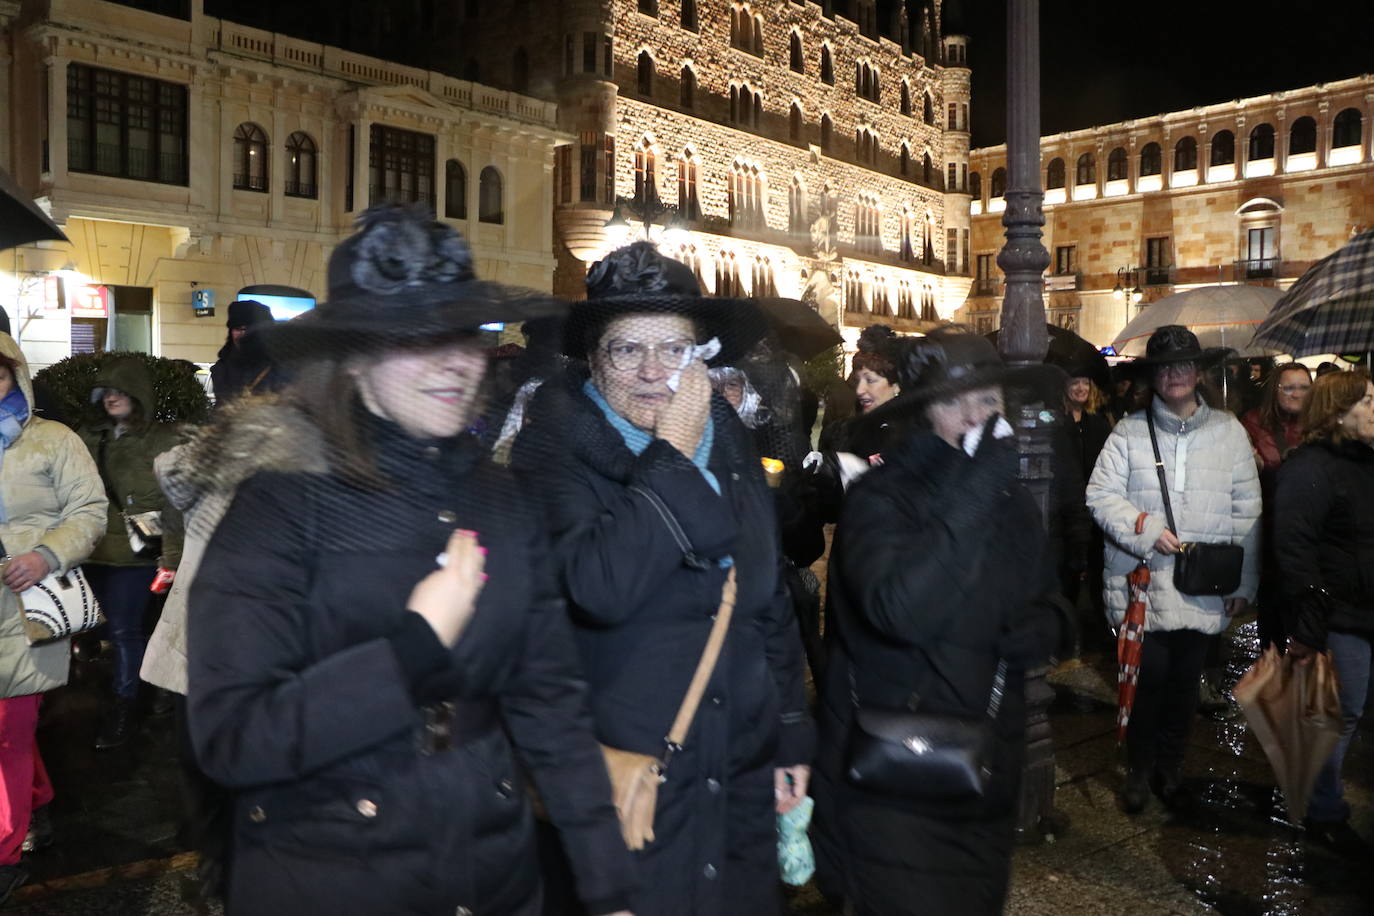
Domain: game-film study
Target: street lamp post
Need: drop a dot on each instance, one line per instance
(1024, 341)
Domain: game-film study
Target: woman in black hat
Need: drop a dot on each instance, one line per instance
(938, 575)
(377, 649)
(243, 366)
(1215, 497)
(655, 494)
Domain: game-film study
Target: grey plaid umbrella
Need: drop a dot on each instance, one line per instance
(1331, 307)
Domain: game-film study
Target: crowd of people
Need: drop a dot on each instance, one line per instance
(529, 633)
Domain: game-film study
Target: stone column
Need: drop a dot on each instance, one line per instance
(1281, 142)
(1323, 133)
(1023, 343)
(1166, 158)
(1242, 147)
(361, 170)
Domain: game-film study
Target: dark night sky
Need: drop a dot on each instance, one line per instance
(1105, 60)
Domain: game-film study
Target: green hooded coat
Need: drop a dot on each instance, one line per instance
(127, 467)
(53, 500)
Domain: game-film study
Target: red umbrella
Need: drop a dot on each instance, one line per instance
(1130, 642)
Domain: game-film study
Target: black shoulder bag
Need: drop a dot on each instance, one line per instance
(1200, 568)
(923, 756)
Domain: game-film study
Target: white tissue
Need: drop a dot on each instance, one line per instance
(703, 352)
(1000, 430)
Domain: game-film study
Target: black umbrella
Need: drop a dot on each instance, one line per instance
(21, 221)
(799, 326)
(1074, 355)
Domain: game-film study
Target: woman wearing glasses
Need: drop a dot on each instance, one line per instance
(1275, 429)
(654, 491)
(1215, 497)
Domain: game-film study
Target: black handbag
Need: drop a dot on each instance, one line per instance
(924, 756)
(1200, 568)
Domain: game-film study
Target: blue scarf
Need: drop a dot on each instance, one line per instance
(14, 412)
(637, 440)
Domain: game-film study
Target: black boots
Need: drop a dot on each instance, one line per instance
(120, 724)
(1135, 794)
(40, 835)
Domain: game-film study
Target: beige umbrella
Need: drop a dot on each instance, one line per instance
(1220, 316)
(1294, 710)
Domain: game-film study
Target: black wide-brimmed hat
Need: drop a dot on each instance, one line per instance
(244, 313)
(402, 280)
(637, 279)
(945, 362)
(1174, 343)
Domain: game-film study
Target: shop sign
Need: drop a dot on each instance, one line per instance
(90, 301)
(203, 301)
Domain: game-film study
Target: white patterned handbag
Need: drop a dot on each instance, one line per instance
(59, 606)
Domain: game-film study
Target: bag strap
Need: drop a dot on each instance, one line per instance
(1159, 467)
(999, 687)
(104, 477)
(705, 668)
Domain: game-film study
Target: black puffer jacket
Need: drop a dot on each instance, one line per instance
(1324, 539)
(638, 541)
(307, 681)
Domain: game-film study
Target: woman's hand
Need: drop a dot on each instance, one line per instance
(789, 786)
(1168, 543)
(25, 571)
(684, 419)
(447, 596)
(1235, 606)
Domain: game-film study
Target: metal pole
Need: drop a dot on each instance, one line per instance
(1024, 341)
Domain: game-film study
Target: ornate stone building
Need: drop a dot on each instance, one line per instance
(1250, 191)
(805, 149)
(184, 153)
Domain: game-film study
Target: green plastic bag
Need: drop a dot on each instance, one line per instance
(796, 861)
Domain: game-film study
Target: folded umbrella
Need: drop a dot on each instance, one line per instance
(1130, 644)
(21, 221)
(1293, 707)
(1331, 307)
(800, 327)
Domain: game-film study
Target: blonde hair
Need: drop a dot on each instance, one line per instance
(1097, 399)
(1332, 397)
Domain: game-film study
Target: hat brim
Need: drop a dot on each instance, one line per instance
(982, 377)
(352, 326)
(737, 323)
(1206, 355)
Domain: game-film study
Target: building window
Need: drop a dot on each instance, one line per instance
(1302, 137)
(746, 107)
(563, 169)
(825, 133)
(125, 126)
(866, 146)
(827, 66)
(689, 15)
(927, 171)
(1223, 148)
(1346, 129)
(764, 284)
(400, 166)
(853, 292)
(608, 155)
(984, 283)
(520, 70)
(746, 30)
(952, 178)
(646, 74)
(1262, 142)
(250, 158)
(606, 56)
(794, 123)
(866, 84)
(1086, 172)
(1054, 174)
(868, 224)
(975, 185)
(687, 203)
(928, 312)
(746, 196)
(300, 166)
(1065, 259)
(1185, 154)
(905, 307)
(1157, 260)
(1116, 165)
(796, 206)
(999, 183)
(1150, 160)
(796, 59)
(928, 110)
(905, 249)
(727, 276)
(953, 116)
(567, 55)
(1260, 252)
(646, 173)
(688, 89)
(905, 160)
(590, 43)
(586, 184)
(456, 189)
(489, 197)
(906, 98)
(649, 7)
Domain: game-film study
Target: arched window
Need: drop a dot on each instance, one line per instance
(906, 98)
(927, 171)
(1086, 172)
(689, 15)
(1346, 129)
(250, 157)
(827, 66)
(1185, 154)
(1262, 142)
(1302, 137)
(1150, 160)
(1116, 165)
(489, 197)
(826, 128)
(905, 160)
(796, 206)
(646, 73)
(687, 202)
(1223, 148)
(928, 109)
(797, 60)
(1054, 174)
(999, 183)
(455, 190)
(520, 70)
(794, 123)
(746, 30)
(300, 166)
(688, 89)
(648, 7)
(975, 185)
(757, 47)
(646, 172)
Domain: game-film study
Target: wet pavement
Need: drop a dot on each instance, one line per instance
(1233, 854)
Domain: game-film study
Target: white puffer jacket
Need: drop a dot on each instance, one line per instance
(1215, 492)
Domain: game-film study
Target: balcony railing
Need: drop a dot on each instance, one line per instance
(986, 286)
(250, 182)
(1257, 268)
(1156, 276)
(301, 189)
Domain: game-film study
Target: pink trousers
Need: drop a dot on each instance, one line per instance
(24, 782)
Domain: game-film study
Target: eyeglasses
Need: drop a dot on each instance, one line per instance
(1182, 367)
(1295, 389)
(628, 355)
